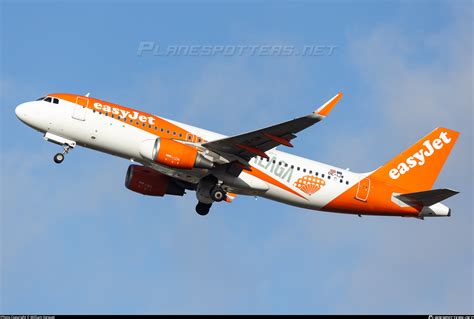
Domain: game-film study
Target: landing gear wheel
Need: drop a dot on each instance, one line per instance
(203, 209)
(58, 158)
(217, 194)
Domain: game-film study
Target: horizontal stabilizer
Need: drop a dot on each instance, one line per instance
(426, 198)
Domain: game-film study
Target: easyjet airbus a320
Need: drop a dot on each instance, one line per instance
(173, 157)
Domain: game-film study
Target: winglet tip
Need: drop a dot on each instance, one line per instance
(329, 105)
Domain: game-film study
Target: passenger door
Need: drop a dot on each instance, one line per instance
(80, 108)
(363, 189)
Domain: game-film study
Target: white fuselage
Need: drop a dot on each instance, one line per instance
(94, 130)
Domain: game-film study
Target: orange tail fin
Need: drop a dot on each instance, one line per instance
(417, 168)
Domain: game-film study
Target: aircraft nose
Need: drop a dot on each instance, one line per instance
(21, 111)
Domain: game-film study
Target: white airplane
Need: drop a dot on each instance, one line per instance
(175, 157)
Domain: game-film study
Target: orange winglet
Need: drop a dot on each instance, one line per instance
(252, 150)
(278, 139)
(328, 106)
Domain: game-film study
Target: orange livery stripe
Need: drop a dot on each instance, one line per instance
(264, 177)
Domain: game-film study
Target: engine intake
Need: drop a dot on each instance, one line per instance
(173, 154)
(147, 181)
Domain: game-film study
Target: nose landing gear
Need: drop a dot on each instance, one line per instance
(59, 157)
(64, 142)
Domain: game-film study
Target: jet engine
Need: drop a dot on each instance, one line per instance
(147, 181)
(174, 154)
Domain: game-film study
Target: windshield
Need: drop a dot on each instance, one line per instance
(49, 99)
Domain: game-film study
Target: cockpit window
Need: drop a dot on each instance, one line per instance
(49, 99)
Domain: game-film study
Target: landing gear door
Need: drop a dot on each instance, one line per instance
(363, 189)
(80, 108)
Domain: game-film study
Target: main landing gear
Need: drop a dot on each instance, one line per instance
(59, 157)
(207, 192)
(203, 209)
(218, 194)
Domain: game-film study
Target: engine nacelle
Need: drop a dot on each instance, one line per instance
(147, 181)
(173, 154)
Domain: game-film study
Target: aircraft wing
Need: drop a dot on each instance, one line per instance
(245, 146)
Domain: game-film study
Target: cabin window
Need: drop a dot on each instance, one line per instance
(304, 170)
(347, 182)
(322, 175)
(298, 168)
(340, 181)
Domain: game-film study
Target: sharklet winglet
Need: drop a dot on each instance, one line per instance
(328, 106)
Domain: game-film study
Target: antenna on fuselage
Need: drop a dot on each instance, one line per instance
(87, 95)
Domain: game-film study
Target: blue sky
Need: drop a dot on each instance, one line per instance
(75, 240)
